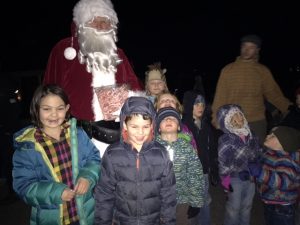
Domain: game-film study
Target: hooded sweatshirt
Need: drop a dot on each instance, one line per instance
(204, 136)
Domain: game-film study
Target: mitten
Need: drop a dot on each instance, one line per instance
(254, 168)
(244, 175)
(225, 181)
(192, 211)
(214, 178)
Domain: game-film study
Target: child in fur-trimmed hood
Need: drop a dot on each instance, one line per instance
(236, 146)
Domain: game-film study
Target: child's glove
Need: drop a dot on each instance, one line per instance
(244, 175)
(192, 212)
(214, 179)
(225, 181)
(254, 168)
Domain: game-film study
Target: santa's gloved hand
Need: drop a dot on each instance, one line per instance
(255, 168)
(225, 181)
(192, 212)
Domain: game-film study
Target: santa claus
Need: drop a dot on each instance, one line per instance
(93, 71)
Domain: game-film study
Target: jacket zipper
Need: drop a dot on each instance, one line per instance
(138, 161)
(138, 180)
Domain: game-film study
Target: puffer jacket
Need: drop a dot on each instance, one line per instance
(279, 179)
(136, 187)
(136, 190)
(36, 182)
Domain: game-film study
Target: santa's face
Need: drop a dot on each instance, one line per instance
(97, 42)
(100, 23)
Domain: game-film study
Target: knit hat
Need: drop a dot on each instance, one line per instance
(86, 10)
(199, 99)
(156, 75)
(165, 112)
(253, 39)
(288, 137)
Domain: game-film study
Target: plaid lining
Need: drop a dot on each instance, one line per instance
(59, 154)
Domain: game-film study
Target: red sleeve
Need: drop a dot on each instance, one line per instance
(57, 64)
(125, 73)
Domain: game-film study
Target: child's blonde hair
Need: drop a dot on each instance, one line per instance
(179, 106)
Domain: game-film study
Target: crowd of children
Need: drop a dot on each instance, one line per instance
(160, 171)
(168, 154)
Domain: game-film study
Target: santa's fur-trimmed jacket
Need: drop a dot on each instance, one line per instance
(72, 76)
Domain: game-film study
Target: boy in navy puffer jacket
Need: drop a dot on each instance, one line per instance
(137, 183)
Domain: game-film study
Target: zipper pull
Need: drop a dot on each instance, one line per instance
(138, 161)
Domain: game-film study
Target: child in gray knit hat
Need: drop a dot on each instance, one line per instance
(187, 166)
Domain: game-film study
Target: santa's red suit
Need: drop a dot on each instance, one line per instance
(76, 81)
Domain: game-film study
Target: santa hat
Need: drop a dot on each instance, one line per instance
(86, 10)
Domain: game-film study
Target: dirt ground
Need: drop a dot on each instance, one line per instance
(17, 213)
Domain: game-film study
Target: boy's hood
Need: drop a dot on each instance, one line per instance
(139, 105)
(188, 104)
(188, 107)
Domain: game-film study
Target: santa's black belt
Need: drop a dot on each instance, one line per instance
(104, 131)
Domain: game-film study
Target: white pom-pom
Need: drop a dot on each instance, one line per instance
(70, 53)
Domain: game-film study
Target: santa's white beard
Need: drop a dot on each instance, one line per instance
(98, 50)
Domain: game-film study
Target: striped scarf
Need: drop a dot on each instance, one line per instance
(59, 154)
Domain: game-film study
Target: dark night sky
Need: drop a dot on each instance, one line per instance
(188, 37)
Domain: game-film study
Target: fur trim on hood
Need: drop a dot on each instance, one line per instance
(224, 115)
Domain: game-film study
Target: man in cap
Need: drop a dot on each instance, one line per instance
(89, 62)
(248, 83)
